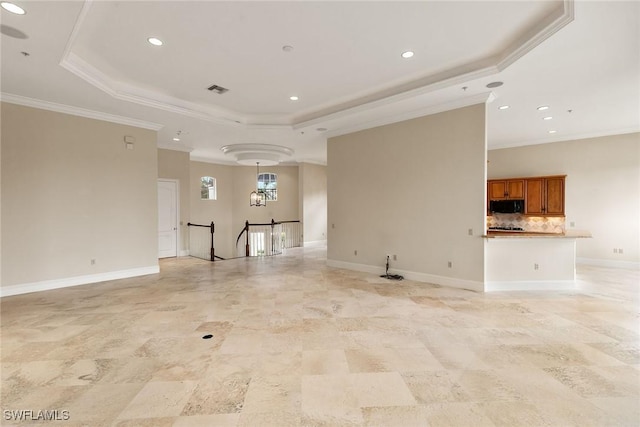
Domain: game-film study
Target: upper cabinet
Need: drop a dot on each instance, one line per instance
(543, 196)
(506, 189)
(554, 196)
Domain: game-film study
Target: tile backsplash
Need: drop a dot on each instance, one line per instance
(535, 224)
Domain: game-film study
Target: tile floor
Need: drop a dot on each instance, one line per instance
(297, 343)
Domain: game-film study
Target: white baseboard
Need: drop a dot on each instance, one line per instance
(530, 285)
(609, 263)
(451, 282)
(315, 244)
(25, 288)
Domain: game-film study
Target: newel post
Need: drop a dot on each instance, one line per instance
(246, 227)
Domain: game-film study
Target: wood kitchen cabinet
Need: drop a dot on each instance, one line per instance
(543, 196)
(511, 189)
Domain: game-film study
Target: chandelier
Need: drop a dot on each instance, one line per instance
(258, 197)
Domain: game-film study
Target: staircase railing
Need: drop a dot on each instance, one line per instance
(197, 246)
(269, 238)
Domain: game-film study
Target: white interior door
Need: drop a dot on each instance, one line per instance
(167, 219)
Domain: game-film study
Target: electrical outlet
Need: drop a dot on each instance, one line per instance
(536, 267)
(615, 250)
(470, 232)
(93, 261)
(449, 264)
(572, 224)
(620, 250)
(395, 257)
(355, 252)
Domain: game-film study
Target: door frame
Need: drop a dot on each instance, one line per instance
(177, 183)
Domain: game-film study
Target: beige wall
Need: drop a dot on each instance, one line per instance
(284, 209)
(175, 165)
(72, 192)
(413, 189)
(220, 211)
(231, 209)
(313, 201)
(602, 189)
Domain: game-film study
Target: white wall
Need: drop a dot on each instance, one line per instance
(72, 192)
(413, 189)
(313, 201)
(602, 190)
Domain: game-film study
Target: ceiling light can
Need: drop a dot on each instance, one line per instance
(494, 85)
(503, 107)
(294, 98)
(543, 107)
(155, 41)
(13, 8)
(407, 54)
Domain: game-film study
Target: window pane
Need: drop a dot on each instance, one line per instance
(207, 188)
(268, 182)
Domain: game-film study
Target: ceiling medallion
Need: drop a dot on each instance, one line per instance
(250, 154)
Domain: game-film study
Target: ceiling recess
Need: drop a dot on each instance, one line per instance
(250, 154)
(218, 89)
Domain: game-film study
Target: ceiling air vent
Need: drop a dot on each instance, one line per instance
(218, 89)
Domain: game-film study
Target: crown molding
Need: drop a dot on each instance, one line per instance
(77, 111)
(176, 147)
(408, 115)
(569, 137)
(545, 29)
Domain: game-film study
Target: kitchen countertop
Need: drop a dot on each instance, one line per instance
(569, 234)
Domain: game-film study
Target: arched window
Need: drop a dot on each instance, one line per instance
(268, 182)
(208, 188)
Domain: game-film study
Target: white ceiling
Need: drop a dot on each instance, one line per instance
(93, 58)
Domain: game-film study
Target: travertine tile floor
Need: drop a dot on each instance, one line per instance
(298, 343)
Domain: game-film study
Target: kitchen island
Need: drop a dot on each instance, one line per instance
(520, 260)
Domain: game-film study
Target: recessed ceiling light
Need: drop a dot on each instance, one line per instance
(553, 131)
(155, 41)
(547, 118)
(503, 107)
(12, 8)
(408, 54)
(494, 84)
(543, 107)
(176, 139)
(293, 98)
(287, 48)
(321, 129)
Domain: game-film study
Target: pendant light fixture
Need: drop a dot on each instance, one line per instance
(258, 197)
